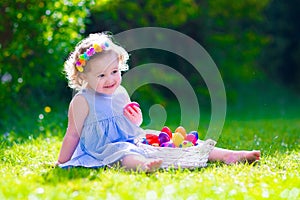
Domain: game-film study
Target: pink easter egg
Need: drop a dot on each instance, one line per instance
(132, 104)
(192, 138)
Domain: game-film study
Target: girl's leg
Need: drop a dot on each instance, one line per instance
(140, 163)
(231, 156)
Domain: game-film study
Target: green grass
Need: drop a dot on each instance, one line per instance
(27, 173)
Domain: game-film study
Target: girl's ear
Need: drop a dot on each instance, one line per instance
(82, 79)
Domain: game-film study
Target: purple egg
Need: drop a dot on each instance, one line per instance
(163, 137)
(168, 144)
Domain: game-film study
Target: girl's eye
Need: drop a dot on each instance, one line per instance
(101, 75)
(115, 71)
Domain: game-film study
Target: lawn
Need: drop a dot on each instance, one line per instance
(27, 172)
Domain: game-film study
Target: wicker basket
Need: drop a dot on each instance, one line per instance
(190, 157)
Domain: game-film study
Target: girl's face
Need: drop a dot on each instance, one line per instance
(103, 74)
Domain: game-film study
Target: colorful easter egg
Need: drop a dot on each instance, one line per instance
(191, 137)
(152, 138)
(181, 130)
(163, 137)
(168, 144)
(132, 104)
(195, 133)
(185, 144)
(167, 130)
(177, 139)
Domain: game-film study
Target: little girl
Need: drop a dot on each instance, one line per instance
(101, 128)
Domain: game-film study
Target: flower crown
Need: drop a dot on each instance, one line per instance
(83, 58)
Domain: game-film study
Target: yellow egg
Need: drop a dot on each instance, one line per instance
(181, 130)
(177, 139)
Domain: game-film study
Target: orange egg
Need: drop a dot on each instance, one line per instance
(181, 130)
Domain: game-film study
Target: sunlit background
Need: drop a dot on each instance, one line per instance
(255, 45)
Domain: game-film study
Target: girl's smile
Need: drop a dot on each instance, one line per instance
(109, 86)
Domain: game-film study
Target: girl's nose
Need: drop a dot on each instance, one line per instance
(109, 78)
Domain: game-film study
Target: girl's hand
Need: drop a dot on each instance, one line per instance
(133, 112)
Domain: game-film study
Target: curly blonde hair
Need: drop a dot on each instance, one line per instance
(73, 75)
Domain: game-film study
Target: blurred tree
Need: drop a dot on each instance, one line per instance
(35, 38)
(281, 59)
(230, 31)
(234, 37)
(120, 15)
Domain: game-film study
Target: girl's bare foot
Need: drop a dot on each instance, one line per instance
(241, 156)
(140, 163)
(151, 165)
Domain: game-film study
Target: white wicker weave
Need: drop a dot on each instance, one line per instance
(190, 157)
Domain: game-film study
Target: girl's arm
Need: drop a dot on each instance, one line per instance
(78, 111)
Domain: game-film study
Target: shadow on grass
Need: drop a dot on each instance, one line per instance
(57, 175)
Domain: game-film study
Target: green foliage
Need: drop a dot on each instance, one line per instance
(235, 37)
(281, 58)
(132, 14)
(231, 32)
(35, 38)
